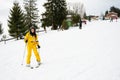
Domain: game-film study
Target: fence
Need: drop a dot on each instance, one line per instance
(4, 38)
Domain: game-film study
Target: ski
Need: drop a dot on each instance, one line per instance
(31, 67)
(28, 66)
(37, 66)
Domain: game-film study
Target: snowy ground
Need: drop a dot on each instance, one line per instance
(88, 54)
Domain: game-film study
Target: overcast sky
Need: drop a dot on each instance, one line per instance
(99, 6)
(92, 6)
(95, 7)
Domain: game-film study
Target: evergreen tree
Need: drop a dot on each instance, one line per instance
(106, 13)
(75, 19)
(61, 12)
(114, 9)
(16, 22)
(47, 16)
(1, 30)
(31, 12)
(64, 25)
(56, 12)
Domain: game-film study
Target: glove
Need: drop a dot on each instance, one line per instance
(26, 41)
(38, 47)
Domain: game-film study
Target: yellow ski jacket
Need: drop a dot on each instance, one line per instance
(31, 40)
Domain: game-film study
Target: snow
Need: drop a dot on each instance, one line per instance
(88, 54)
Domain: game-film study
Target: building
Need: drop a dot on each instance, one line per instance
(112, 15)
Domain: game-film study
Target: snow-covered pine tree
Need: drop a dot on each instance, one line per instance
(47, 16)
(31, 12)
(1, 30)
(56, 12)
(62, 12)
(16, 22)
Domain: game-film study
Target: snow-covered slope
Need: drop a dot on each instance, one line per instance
(88, 54)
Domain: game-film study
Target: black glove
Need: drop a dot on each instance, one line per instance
(26, 41)
(38, 47)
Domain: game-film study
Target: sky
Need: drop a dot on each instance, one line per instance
(93, 7)
(96, 7)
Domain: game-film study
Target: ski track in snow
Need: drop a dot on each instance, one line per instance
(88, 54)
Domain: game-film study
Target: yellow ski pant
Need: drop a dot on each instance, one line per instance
(34, 48)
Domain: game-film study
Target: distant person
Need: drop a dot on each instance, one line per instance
(116, 18)
(103, 17)
(80, 24)
(111, 19)
(89, 18)
(32, 44)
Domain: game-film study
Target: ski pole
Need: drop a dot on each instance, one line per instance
(23, 55)
(39, 51)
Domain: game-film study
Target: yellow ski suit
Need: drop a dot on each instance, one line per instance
(32, 43)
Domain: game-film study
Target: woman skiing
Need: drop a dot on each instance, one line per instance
(32, 43)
